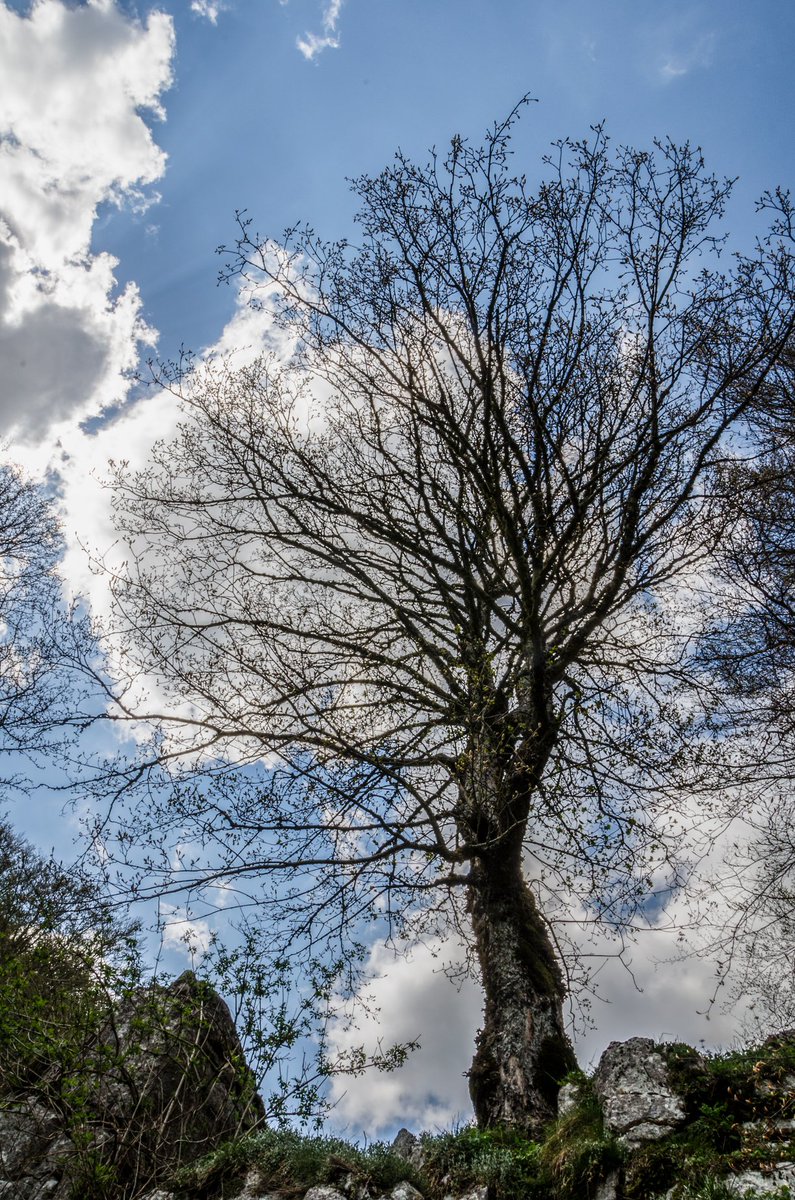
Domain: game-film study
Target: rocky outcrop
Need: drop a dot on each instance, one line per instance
(633, 1086)
(727, 1126)
(166, 1083)
(655, 1122)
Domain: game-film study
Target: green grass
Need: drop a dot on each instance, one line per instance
(291, 1162)
(722, 1093)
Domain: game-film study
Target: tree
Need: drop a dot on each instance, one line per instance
(61, 950)
(426, 564)
(32, 693)
(751, 645)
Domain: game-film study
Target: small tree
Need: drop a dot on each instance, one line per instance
(33, 693)
(428, 567)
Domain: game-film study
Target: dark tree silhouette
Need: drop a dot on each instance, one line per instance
(40, 693)
(428, 561)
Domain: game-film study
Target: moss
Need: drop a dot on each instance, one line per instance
(734, 1102)
(650, 1171)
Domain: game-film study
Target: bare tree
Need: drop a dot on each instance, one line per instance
(40, 695)
(429, 566)
(750, 643)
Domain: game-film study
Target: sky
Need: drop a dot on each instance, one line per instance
(131, 134)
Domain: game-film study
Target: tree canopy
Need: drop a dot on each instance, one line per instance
(417, 586)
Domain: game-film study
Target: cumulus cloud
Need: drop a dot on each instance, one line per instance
(410, 998)
(649, 992)
(128, 437)
(311, 44)
(74, 81)
(184, 933)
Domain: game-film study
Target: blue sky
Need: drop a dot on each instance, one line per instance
(130, 134)
(251, 123)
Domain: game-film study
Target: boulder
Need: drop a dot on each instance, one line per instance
(176, 1073)
(170, 1083)
(768, 1184)
(634, 1090)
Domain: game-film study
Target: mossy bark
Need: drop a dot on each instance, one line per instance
(522, 1051)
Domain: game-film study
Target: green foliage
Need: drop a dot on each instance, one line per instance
(578, 1153)
(746, 1082)
(287, 1160)
(62, 956)
(734, 1101)
(93, 1178)
(716, 1128)
(502, 1159)
(711, 1188)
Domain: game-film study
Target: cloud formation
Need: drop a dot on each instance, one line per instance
(74, 81)
(209, 9)
(311, 44)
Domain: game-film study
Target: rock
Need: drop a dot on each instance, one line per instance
(28, 1132)
(408, 1146)
(769, 1184)
(633, 1087)
(405, 1191)
(171, 1085)
(177, 1058)
(34, 1153)
(608, 1188)
(323, 1192)
(568, 1098)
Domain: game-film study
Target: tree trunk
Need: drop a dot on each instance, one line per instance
(523, 1050)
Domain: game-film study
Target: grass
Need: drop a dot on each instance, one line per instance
(734, 1102)
(292, 1163)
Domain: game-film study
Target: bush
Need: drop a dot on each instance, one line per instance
(502, 1159)
(62, 956)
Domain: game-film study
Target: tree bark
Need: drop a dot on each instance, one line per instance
(523, 1050)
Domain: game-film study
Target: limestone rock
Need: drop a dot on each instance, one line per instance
(173, 1084)
(633, 1087)
(33, 1153)
(769, 1184)
(179, 1061)
(323, 1192)
(608, 1188)
(408, 1146)
(568, 1098)
(405, 1191)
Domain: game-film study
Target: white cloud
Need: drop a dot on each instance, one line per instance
(311, 44)
(85, 502)
(209, 9)
(182, 932)
(73, 84)
(411, 998)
